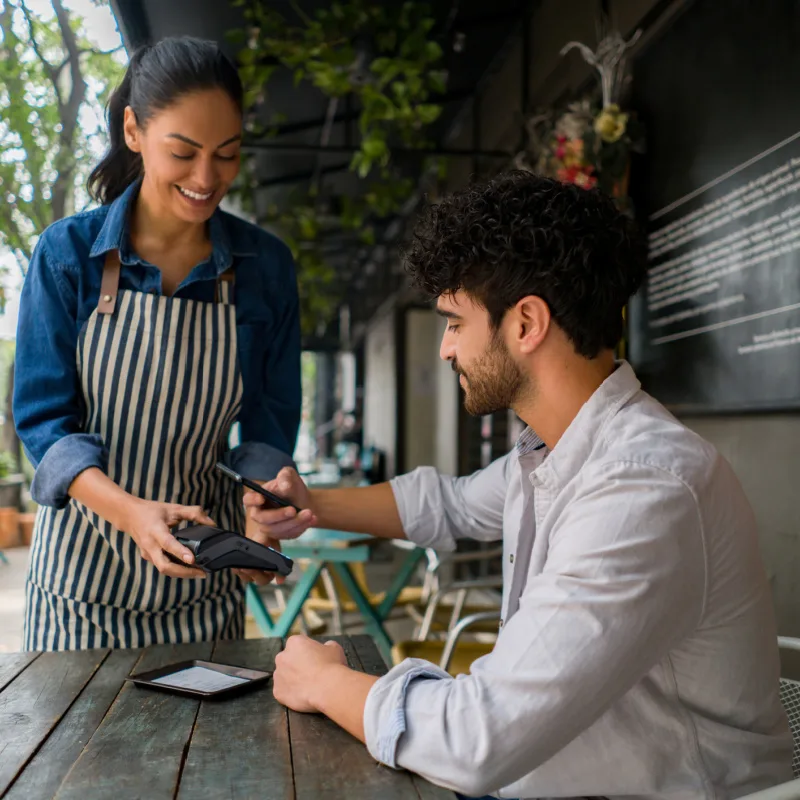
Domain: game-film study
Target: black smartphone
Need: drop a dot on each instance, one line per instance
(272, 500)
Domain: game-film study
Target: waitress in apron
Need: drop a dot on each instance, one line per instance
(148, 327)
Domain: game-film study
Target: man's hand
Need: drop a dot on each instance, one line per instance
(281, 523)
(268, 525)
(300, 671)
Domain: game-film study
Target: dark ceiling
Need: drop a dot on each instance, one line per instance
(473, 34)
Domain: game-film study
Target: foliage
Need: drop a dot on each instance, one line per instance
(8, 464)
(384, 59)
(53, 85)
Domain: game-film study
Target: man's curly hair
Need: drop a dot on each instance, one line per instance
(521, 234)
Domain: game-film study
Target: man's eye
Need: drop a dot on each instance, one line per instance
(451, 327)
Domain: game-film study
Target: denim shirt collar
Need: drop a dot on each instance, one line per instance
(114, 234)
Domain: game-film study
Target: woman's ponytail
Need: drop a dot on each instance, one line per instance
(120, 166)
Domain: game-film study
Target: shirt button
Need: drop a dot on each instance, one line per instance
(511, 558)
(501, 623)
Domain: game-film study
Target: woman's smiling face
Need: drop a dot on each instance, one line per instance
(190, 153)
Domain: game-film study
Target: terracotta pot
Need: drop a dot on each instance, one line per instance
(26, 523)
(9, 527)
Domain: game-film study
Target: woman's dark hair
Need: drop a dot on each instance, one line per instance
(521, 234)
(156, 77)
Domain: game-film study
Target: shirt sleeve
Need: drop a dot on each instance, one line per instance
(275, 418)
(47, 403)
(437, 509)
(623, 583)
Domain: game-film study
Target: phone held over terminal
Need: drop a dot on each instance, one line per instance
(270, 500)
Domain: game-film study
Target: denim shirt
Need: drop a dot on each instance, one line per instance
(60, 293)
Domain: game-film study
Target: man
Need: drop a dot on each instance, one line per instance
(637, 655)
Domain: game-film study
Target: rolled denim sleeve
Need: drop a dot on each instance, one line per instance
(47, 404)
(257, 461)
(437, 509)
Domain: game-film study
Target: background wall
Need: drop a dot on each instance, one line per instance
(764, 449)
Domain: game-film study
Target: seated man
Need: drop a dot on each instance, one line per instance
(637, 655)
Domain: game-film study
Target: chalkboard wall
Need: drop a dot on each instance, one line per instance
(717, 327)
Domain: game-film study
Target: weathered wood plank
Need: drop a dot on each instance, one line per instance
(371, 659)
(240, 747)
(329, 763)
(373, 664)
(138, 749)
(32, 705)
(11, 664)
(44, 773)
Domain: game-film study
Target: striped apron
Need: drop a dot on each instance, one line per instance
(161, 385)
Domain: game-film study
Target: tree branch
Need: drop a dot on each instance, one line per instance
(69, 112)
(49, 69)
(83, 51)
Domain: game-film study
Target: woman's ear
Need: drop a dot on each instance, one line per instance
(131, 130)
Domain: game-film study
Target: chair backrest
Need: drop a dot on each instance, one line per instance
(790, 698)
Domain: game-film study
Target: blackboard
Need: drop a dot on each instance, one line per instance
(717, 326)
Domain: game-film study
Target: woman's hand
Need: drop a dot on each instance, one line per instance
(148, 523)
(269, 525)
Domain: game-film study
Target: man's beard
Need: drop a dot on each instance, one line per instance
(494, 382)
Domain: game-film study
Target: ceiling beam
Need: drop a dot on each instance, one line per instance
(304, 147)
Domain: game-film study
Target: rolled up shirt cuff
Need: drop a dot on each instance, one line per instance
(410, 496)
(62, 463)
(385, 709)
(257, 461)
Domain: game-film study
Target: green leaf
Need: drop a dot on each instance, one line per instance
(433, 51)
(428, 113)
(437, 80)
(247, 56)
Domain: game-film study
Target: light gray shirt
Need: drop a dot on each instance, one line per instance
(637, 656)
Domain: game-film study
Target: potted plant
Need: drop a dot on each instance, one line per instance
(10, 496)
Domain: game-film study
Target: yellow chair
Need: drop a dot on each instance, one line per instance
(453, 656)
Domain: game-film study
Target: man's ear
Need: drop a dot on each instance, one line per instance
(531, 320)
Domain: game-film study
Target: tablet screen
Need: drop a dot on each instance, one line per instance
(200, 679)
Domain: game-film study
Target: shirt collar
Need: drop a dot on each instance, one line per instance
(577, 442)
(114, 234)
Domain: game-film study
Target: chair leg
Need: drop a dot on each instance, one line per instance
(458, 607)
(330, 589)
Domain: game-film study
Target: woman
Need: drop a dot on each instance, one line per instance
(148, 327)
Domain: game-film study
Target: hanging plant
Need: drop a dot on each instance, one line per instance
(591, 141)
(382, 56)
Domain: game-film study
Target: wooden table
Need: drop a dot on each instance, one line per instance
(72, 728)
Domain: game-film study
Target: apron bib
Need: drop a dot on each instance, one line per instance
(160, 383)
